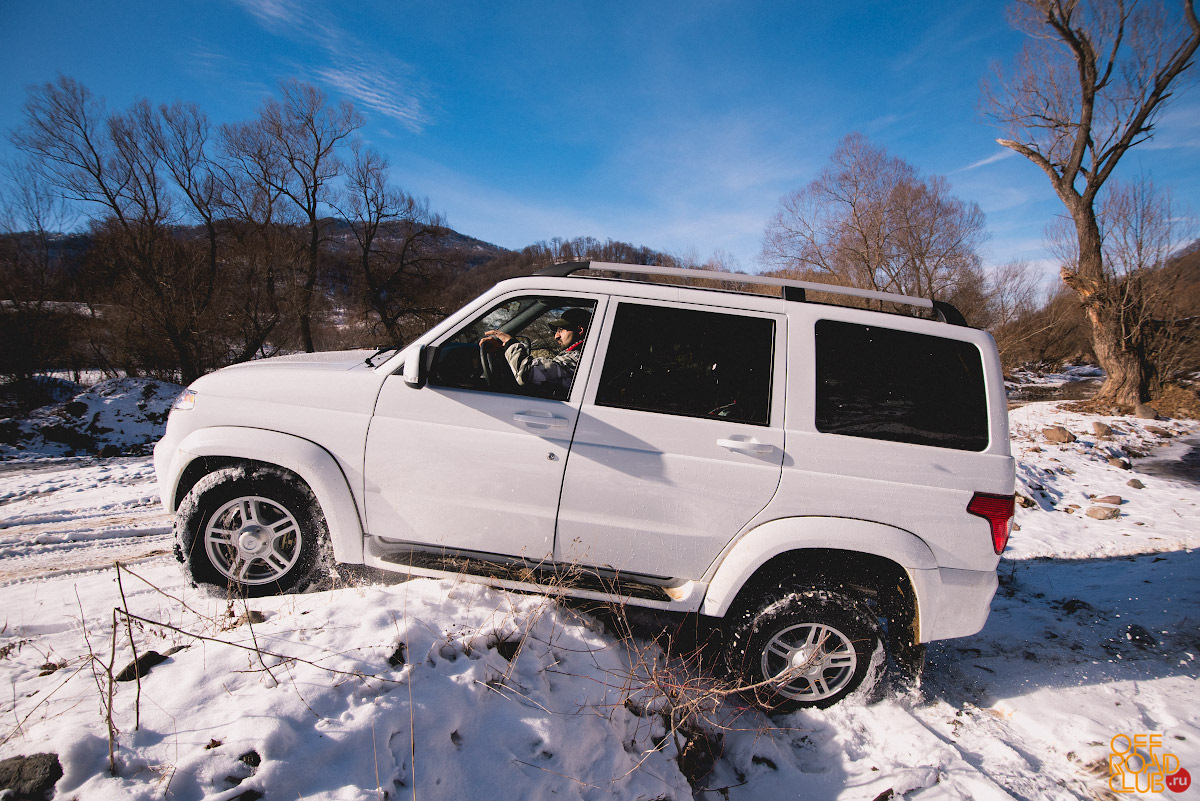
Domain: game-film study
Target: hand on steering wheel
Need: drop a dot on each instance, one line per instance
(492, 346)
(489, 347)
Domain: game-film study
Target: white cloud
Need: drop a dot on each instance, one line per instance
(1177, 127)
(1003, 154)
(345, 63)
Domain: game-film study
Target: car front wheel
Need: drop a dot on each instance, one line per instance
(253, 531)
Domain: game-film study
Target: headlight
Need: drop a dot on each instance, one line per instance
(185, 401)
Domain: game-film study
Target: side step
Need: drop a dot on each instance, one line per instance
(520, 570)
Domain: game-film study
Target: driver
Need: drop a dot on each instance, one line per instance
(551, 374)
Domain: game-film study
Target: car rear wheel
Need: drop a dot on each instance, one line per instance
(804, 647)
(252, 531)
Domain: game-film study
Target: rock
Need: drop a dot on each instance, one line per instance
(1101, 429)
(250, 616)
(29, 778)
(1073, 605)
(140, 666)
(1138, 635)
(1145, 412)
(1159, 431)
(1133, 482)
(1057, 434)
(1117, 461)
(1026, 502)
(1103, 512)
(1114, 500)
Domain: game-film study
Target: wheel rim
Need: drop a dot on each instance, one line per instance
(810, 661)
(253, 540)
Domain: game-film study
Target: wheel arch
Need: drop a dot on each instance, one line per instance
(209, 449)
(882, 562)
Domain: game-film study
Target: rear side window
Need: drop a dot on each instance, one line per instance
(690, 363)
(881, 383)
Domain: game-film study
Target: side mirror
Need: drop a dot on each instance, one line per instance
(414, 367)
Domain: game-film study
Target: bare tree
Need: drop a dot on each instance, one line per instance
(1017, 314)
(870, 220)
(1142, 228)
(31, 279)
(301, 133)
(179, 136)
(1086, 88)
(399, 245)
(108, 161)
(261, 224)
(1013, 290)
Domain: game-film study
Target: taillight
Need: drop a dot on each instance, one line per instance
(998, 510)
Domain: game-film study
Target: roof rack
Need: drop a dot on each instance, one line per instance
(792, 290)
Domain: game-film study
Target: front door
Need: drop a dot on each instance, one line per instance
(474, 460)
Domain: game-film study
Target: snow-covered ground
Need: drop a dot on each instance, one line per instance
(436, 689)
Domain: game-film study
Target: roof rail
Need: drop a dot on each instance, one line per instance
(792, 290)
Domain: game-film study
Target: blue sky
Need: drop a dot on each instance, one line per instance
(674, 125)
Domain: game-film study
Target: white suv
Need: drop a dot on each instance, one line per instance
(827, 479)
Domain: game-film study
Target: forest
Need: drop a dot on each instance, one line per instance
(150, 241)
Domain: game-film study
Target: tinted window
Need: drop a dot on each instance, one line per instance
(691, 363)
(893, 385)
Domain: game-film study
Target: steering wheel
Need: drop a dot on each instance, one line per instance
(497, 373)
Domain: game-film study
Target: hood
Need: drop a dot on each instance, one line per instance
(333, 380)
(324, 360)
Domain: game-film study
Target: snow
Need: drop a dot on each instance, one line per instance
(442, 689)
(117, 416)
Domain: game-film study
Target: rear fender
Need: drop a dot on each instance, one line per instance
(795, 535)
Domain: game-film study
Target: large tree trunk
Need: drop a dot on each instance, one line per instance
(1115, 335)
(1130, 375)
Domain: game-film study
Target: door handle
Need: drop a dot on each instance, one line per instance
(534, 419)
(745, 446)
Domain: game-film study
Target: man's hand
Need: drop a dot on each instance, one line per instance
(494, 340)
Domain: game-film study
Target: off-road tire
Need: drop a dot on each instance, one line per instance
(831, 640)
(251, 531)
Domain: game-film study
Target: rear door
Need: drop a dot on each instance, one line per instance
(679, 442)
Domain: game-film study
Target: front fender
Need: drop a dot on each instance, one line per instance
(317, 466)
(761, 544)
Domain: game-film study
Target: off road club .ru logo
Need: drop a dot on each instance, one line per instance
(1138, 764)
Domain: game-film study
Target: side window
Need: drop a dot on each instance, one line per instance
(523, 346)
(690, 363)
(881, 383)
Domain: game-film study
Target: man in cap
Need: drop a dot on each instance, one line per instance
(554, 375)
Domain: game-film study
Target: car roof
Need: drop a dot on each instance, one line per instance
(793, 290)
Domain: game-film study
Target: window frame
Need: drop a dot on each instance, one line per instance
(777, 362)
(581, 375)
(981, 438)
